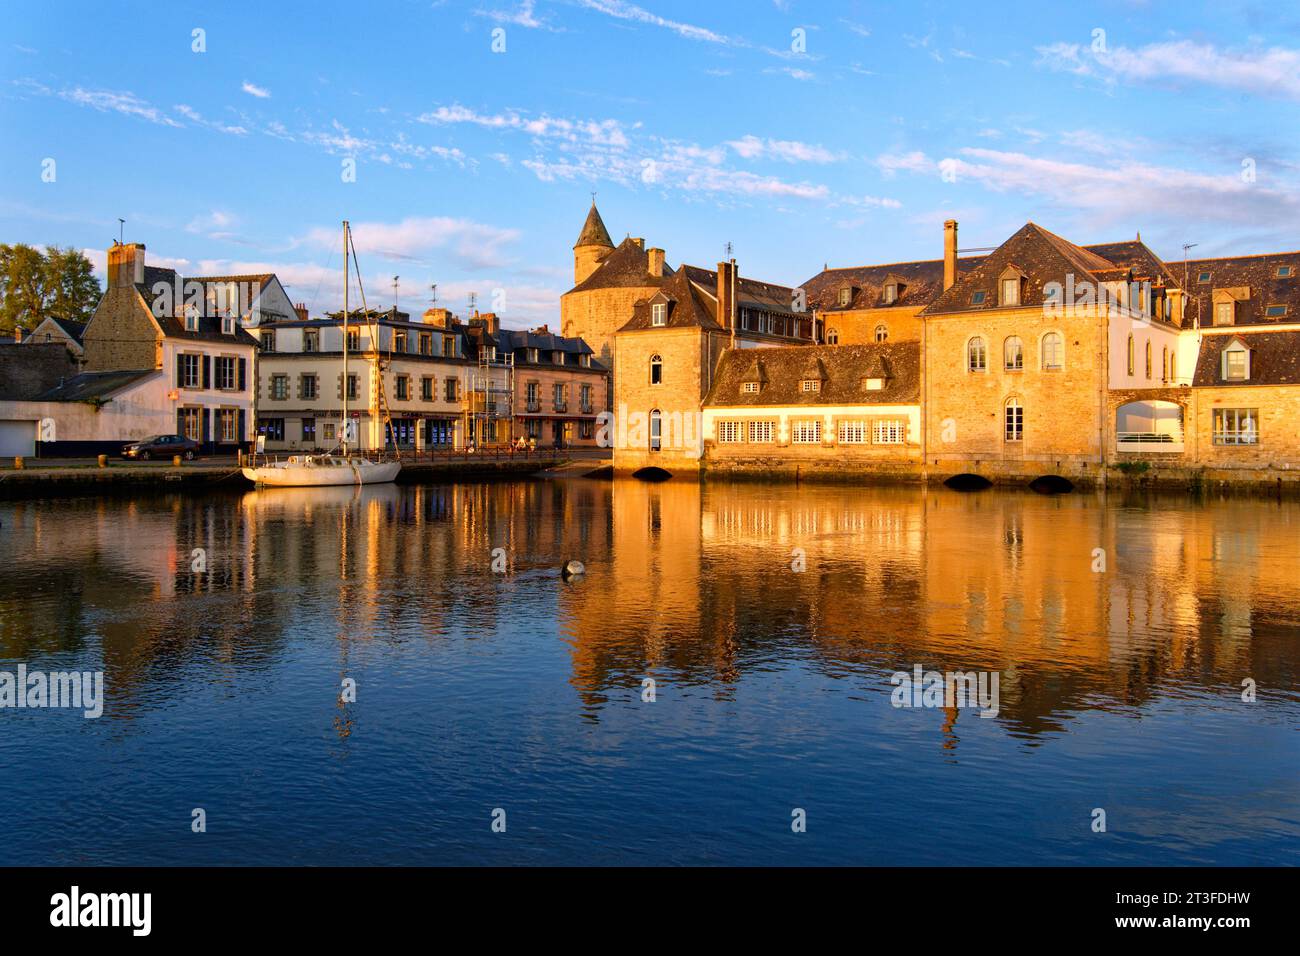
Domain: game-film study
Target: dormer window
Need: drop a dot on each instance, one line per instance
(873, 384)
(584, 360)
(268, 340)
(659, 313)
(891, 293)
(1285, 272)
(812, 385)
(228, 326)
(750, 387)
(1236, 363)
(1011, 290)
(1203, 277)
(1225, 313)
(1275, 311)
(846, 296)
(977, 298)
(192, 322)
(399, 341)
(532, 356)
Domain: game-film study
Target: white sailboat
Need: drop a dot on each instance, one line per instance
(299, 471)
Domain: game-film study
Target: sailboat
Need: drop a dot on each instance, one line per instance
(329, 469)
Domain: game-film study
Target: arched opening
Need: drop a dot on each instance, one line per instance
(1051, 485)
(1148, 426)
(652, 473)
(968, 482)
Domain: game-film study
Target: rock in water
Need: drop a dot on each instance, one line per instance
(573, 569)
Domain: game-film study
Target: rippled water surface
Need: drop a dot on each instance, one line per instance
(1120, 689)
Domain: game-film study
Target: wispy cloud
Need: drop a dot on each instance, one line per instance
(630, 11)
(607, 132)
(525, 16)
(1109, 193)
(115, 101)
(1262, 72)
(789, 151)
(471, 244)
(253, 90)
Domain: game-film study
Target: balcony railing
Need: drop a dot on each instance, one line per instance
(1149, 442)
(586, 408)
(561, 406)
(533, 406)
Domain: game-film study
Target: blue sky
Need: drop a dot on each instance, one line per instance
(801, 132)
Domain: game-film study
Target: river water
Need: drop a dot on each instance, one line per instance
(719, 687)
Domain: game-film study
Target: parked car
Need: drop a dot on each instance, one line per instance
(161, 446)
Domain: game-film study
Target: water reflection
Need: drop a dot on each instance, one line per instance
(1079, 602)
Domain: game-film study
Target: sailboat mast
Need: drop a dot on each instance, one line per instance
(345, 337)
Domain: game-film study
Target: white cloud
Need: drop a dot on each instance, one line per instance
(790, 151)
(630, 11)
(260, 92)
(1104, 194)
(106, 101)
(605, 132)
(523, 17)
(1262, 72)
(415, 238)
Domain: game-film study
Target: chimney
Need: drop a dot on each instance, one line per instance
(656, 262)
(726, 306)
(949, 253)
(440, 318)
(125, 264)
(543, 329)
(640, 243)
(490, 321)
(300, 310)
(18, 333)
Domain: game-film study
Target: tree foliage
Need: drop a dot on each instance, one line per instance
(36, 284)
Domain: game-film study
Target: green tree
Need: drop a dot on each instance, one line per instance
(35, 285)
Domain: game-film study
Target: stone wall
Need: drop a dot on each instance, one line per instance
(122, 335)
(1063, 409)
(29, 369)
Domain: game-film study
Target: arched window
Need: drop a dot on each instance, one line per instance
(1013, 354)
(1130, 353)
(656, 429)
(656, 369)
(1053, 351)
(1148, 358)
(832, 336)
(1015, 420)
(882, 333)
(977, 359)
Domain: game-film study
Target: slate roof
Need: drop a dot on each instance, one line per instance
(73, 329)
(209, 326)
(594, 232)
(627, 267)
(90, 386)
(688, 307)
(842, 368)
(921, 281)
(750, 293)
(1259, 273)
(1274, 360)
(1042, 256)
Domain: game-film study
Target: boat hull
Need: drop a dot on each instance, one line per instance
(302, 476)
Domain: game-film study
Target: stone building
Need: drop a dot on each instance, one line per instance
(607, 282)
(881, 303)
(150, 318)
(668, 348)
(816, 409)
